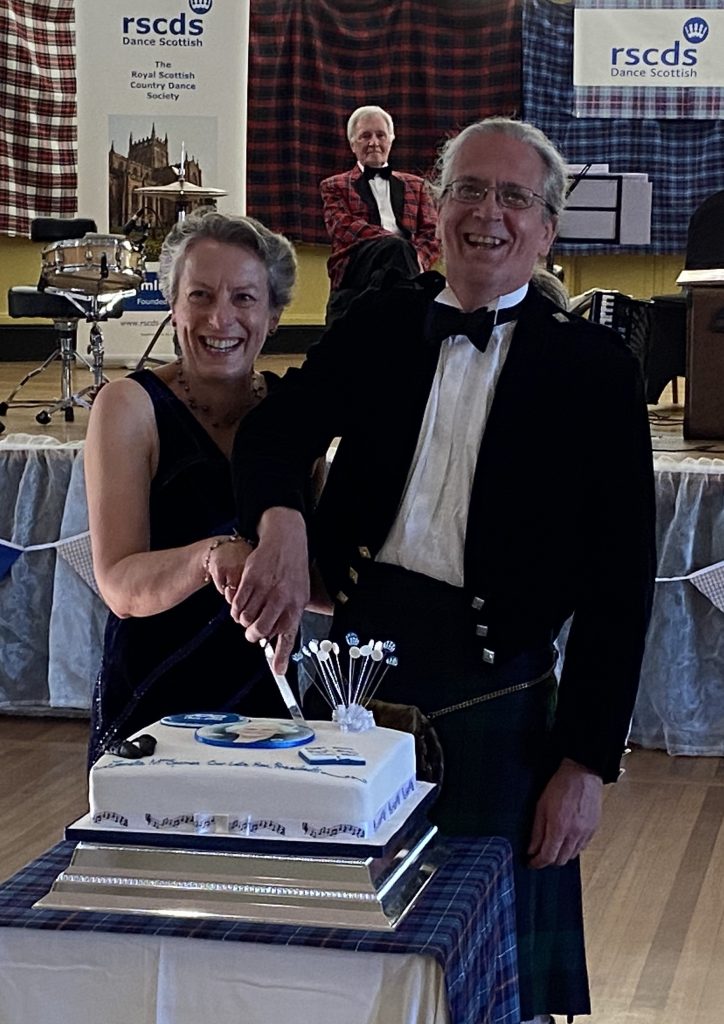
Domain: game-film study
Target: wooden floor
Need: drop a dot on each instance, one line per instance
(666, 418)
(653, 877)
(46, 386)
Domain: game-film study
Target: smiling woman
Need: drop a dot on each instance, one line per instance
(161, 507)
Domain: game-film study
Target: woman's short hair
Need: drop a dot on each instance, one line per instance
(363, 112)
(555, 181)
(275, 251)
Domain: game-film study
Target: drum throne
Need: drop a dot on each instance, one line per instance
(67, 295)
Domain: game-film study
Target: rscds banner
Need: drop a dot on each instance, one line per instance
(675, 48)
(161, 98)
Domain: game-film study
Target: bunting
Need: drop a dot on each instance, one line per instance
(708, 581)
(75, 551)
(9, 554)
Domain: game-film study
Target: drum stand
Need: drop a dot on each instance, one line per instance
(65, 309)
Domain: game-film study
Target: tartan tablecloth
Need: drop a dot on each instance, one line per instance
(464, 919)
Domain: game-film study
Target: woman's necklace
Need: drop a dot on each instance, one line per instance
(257, 390)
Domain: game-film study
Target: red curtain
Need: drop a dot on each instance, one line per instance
(435, 65)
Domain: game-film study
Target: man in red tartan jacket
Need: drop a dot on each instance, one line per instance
(377, 218)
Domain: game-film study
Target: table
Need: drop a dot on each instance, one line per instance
(451, 959)
(51, 620)
(680, 705)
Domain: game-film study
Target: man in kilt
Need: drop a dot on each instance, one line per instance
(474, 506)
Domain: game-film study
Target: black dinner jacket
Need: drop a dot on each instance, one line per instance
(561, 517)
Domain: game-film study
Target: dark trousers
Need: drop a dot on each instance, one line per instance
(367, 266)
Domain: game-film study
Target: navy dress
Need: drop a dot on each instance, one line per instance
(193, 657)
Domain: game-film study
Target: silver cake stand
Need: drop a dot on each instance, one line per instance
(340, 883)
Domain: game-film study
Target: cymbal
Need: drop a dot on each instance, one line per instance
(179, 189)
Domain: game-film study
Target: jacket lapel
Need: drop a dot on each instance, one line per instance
(397, 199)
(363, 190)
(511, 424)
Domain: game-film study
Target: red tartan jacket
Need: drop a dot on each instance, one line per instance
(351, 216)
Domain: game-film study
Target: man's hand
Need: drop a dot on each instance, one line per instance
(274, 588)
(567, 815)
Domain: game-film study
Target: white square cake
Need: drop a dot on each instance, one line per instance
(187, 786)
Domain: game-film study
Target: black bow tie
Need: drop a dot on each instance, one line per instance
(374, 172)
(445, 321)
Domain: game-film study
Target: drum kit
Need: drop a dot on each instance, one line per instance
(87, 278)
(182, 192)
(81, 278)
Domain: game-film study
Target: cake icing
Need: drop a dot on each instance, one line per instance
(188, 787)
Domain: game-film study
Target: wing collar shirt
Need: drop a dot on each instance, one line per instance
(428, 534)
(381, 191)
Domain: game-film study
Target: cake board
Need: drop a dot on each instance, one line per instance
(344, 883)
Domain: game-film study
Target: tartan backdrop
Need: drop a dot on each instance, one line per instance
(37, 113)
(683, 159)
(704, 102)
(436, 64)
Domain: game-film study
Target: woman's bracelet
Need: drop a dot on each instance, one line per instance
(216, 543)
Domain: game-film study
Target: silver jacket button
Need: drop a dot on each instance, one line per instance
(478, 603)
(488, 656)
(481, 630)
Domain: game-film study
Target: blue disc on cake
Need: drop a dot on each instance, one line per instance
(199, 718)
(256, 732)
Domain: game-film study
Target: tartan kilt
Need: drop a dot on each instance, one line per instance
(496, 762)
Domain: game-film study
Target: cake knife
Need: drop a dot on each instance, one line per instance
(284, 688)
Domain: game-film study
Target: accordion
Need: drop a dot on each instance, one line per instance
(631, 318)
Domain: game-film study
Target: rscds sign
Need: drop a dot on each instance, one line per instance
(652, 47)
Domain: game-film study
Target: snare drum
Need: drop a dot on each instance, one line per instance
(94, 265)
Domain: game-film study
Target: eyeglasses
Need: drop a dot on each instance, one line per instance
(513, 197)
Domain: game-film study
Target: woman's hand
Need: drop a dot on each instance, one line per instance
(225, 564)
(274, 589)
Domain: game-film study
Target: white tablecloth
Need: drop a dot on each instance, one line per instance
(680, 707)
(51, 621)
(51, 977)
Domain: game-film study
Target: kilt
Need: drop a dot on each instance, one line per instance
(496, 758)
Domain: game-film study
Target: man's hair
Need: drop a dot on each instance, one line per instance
(363, 112)
(275, 251)
(551, 286)
(555, 181)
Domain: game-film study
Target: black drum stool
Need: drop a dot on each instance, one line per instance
(26, 301)
(65, 307)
